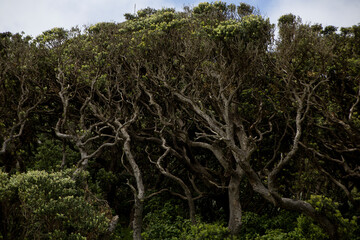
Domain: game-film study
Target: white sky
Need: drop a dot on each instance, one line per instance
(340, 13)
(35, 16)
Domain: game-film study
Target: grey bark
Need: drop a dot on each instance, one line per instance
(188, 196)
(139, 192)
(235, 210)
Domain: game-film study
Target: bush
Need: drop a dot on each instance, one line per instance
(206, 231)
(275, 234)
(347, 228)
(49, 155)
(41, 205)
(254, 225)
(306, 229)
(289, 225)
(166, 222)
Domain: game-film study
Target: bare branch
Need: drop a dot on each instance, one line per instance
(351, 111)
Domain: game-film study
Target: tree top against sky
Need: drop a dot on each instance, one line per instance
(35, 16)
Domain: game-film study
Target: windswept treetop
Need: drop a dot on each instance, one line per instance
(201, 104)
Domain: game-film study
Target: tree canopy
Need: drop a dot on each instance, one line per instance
(193, 124)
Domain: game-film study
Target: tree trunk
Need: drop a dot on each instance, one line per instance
(137, 222)
(285, 203)
(191, 204)
(307, 209)
(139, 192)
(188, 195)
(235, 211)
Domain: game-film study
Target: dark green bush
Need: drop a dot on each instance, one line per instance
(166, 222)
(306, 229)
(347, 228)
(255, 225)
(41, 205)
(49, 155)
(206, 231)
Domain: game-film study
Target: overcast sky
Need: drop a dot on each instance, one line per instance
(35, 16)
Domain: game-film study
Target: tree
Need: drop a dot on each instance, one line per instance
(216, 62)
(335, 130)
(108, 101)
(200, 104)
(21, 89)
(219, 70)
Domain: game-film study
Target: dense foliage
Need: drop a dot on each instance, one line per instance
(39, 205)
(195, 124)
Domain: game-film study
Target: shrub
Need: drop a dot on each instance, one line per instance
(206, 231)
(164, 223)
(167, 222)
(275, 234)
(254, 225)
(306, 229)
(49, 155)
(347, 228)
(41, 205)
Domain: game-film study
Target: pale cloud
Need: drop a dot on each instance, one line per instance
(340, 13)
(35, 16)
